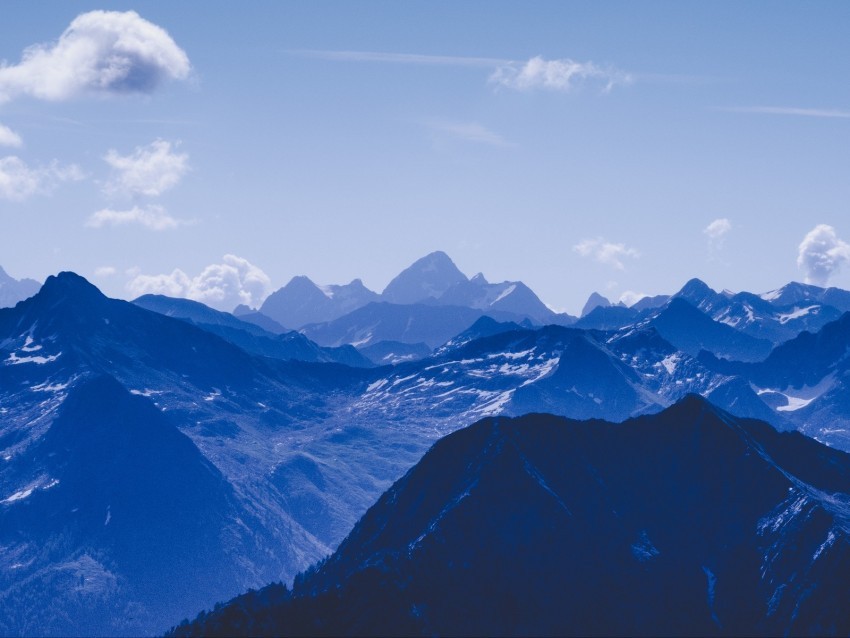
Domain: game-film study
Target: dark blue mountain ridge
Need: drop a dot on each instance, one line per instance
(691, 330)
(236, 410)
(687, 522)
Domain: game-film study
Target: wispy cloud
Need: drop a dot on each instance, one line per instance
(787, 110)
(152, 217)
(821, 254)
(224, 286)
(605, 252)
(149, 170)
(520, 75)
(469, 132)
(19, 181)
(105, 52)
(557, 75)
(8, 137)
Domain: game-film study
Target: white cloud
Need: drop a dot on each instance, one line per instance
(537, 73)
(556, 75)
(716, 232)
(470, 132)
(105, 271)
(630, 297)
(106, 52)
(718, 229)
(152, 217)
(821, 254)
(605, 252)
(223, 286)
(150, 170)
(8, 137)
(18, 181)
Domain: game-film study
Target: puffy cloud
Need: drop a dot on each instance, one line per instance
(556, 75)
(105, 271)
(149, 170)
(605, 252)
(223, 286)
(152, 217)
(8, 137)
(103, 52)
(821, 254)
(18, 181)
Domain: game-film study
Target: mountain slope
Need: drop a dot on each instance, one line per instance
(689, 522)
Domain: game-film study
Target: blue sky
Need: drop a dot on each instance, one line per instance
(618, 147)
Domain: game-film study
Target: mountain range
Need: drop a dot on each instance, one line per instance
(282, 444)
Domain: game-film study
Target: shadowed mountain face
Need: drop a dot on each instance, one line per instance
(689, 522)
(89, 543)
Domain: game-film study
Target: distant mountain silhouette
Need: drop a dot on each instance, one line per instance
(13, 290)
(427, 278)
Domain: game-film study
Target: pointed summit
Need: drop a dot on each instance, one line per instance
(69, 286)
(594, 301)
(427, 278)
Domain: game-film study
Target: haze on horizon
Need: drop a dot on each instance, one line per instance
(619, 148)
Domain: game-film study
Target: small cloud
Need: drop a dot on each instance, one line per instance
(150, 170)
(223, 286)
(152, 217)
(557, 75)
(105, 52)
(105, 271)
(716, 232)
(470, 132)
(821, 254)
(18, 181)
(8, 137)
(605, 252)
(630, 297)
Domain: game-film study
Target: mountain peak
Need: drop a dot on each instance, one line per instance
(69, 285)
(594, 301)
(428, 277)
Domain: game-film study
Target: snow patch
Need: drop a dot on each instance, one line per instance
(19, 496)
(28, 347)
(795, 314)
(504, 294)
(14, 359)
